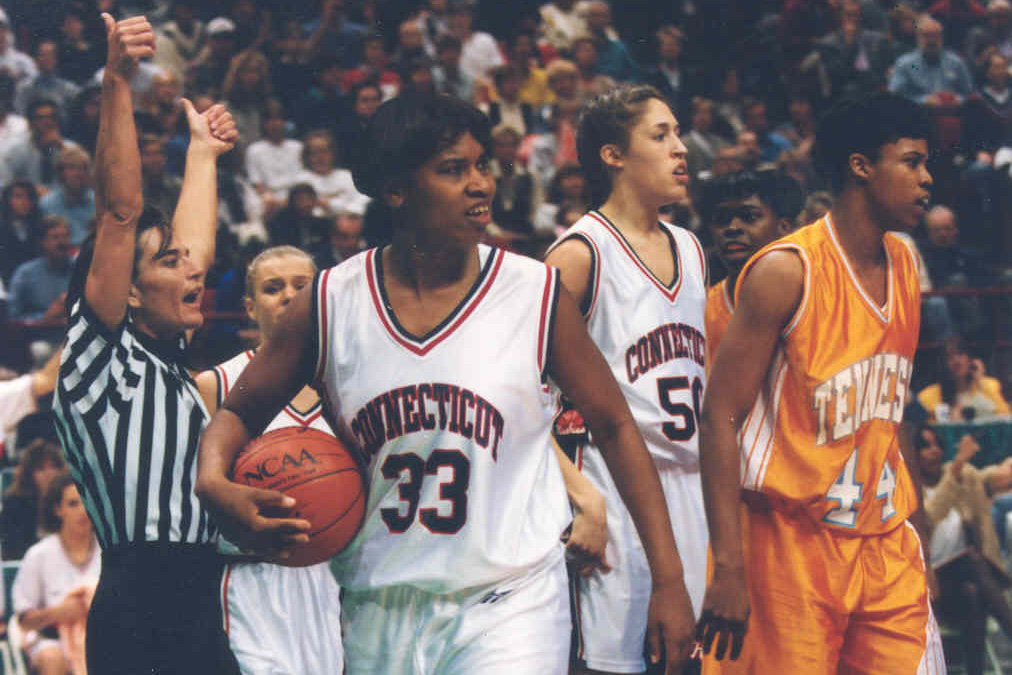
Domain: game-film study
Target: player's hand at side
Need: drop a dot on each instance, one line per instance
(588, 536)
(214, 128)
(670, 626)
(129, 40)
(724, 618)
(254, 519)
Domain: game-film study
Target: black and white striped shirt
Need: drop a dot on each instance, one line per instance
(130, 417)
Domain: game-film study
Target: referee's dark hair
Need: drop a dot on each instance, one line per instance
(863, 125)
(151, 218)
(406, 132)
(607, 120)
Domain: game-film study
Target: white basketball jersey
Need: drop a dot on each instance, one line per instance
(464, 488)
(228, 372)
(651, 334)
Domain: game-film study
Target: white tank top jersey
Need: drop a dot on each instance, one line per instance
(228, 372)
(464, 487)
(651, 334)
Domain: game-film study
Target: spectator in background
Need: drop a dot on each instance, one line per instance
(251, 27)
(333, 185)
(161, 189)
(701, 144)
(564, 82)
(450, 79)
(613, 57)
(295, 224)
(545, 152)
(17, 63)
(479, 51)
(345, 238)
(434, 19)
(771, 144)
(81, 54)
(207, 72)
(591, 82)
(561, 23)
(20, 228)
(669, 75)
(335, 36)
(180, 39)
(364, 98)
(273, 162)
(964, 392)
(246, 88)
(19, 398)
(38, 464)
(513, 204)
(416, 76)
(508, 109)
(901, 35)
(47, 83)
(73, 199)
(817, 204)
(958, 16)
(39, 286)
(82, 124)
(853, 55)
(13, 127)
(534, 81)
(317, 108)
(56, 581)
(931, 75)
(159, 112)
(375, 66)
(410, 43)
(964, 547)
(568, 186)
(996, 32)
(34, 157)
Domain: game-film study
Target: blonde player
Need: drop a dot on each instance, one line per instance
(820, 348)
(278, 619)
(434, 353)
(641, 285)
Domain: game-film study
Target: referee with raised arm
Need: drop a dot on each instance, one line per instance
(128, 413)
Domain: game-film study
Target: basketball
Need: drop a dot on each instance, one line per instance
(321, 475)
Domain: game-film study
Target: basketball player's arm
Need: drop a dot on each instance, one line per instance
(282, 365)
(769, 296)
(118, 196)
(195, 220)
(588, 535)
(585, 378)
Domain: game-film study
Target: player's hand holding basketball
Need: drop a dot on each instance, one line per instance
(254, 519)
(725, 613)
(670, 625)
(213, 129)
(130, 40)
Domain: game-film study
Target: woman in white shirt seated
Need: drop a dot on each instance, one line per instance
(54, 585)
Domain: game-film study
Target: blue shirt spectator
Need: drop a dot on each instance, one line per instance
(72, 199)
(39, 286)
(930, 74)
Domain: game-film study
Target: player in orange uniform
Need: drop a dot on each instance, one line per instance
(820, 349)
(745, 211)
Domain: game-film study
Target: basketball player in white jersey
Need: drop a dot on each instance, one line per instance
(641, 285)
(434, 353)
(279, 620)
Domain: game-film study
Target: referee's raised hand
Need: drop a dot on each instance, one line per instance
(214, 128)
(129, 41)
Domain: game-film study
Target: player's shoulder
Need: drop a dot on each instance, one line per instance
(350, 270)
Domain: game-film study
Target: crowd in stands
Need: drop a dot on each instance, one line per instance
(746, 78)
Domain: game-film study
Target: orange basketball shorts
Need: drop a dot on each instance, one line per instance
(822, 602)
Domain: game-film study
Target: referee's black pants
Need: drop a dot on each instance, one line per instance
(157, 611)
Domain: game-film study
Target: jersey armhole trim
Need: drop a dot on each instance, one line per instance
(589, 302)
(546, 325)
(795, 318)
(221, 380)
(318, 326)
(704, 268)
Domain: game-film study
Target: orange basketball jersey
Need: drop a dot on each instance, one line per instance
(718, 314)
(822, 434)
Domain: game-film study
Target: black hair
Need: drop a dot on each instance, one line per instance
(41, 102)
(151, 218)
(863, 125)
(607, 119)
(406, 132)
(782, 193)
